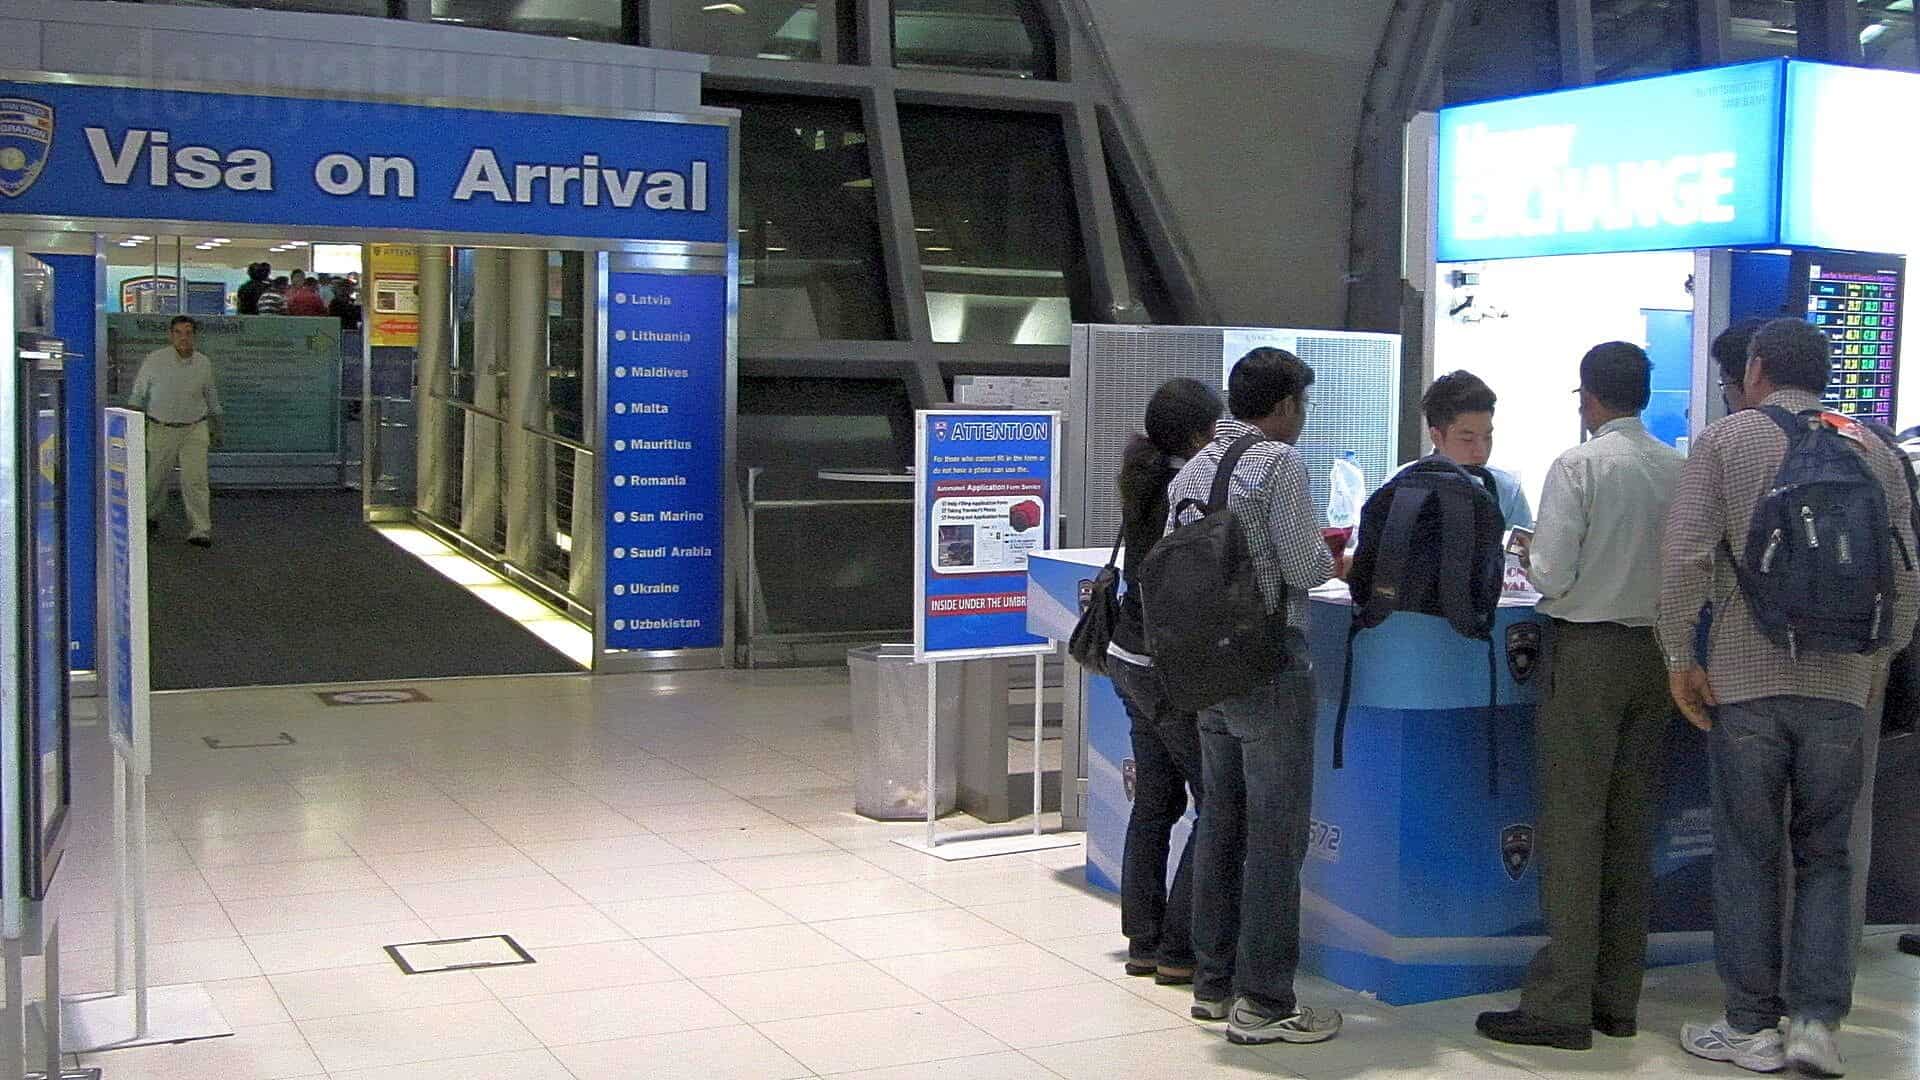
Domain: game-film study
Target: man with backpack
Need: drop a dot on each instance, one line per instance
(1256, 746)
(1596, 562)
(1459, 412)
(1798, 526)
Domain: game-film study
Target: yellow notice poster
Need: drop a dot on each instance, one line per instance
(391, 302)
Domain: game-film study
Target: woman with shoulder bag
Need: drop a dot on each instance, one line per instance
(1166, 745)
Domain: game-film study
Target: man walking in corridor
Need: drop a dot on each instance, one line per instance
(175, 389)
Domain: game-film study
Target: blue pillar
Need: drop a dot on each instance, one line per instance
(74, 321)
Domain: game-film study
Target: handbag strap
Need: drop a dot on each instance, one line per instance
(1119, 540)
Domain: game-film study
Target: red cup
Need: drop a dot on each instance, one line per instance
(1337, 540)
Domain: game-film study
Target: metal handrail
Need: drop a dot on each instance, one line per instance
(795, 504)
(468, 406)
(559, 440)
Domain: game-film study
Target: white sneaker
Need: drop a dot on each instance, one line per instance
(1813, 1049)
(1762, 1051)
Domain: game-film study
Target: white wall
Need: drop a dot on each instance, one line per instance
(1555, 310)
(1250, 110)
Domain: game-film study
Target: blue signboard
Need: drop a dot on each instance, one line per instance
(665, 475)
(1678, 161)
(74, 296)
(125, 677)
(1848, 133)
(109, 152)
(984, 485)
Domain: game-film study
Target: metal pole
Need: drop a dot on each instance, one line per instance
(1039, 713)
(137, 827)
(120, 935)
(13, 1025)
(933, 725)
(50, 1010)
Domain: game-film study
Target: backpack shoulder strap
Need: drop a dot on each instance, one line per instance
(1787, 421)
(1396, 551)
(1229, 461)
(1456, 557)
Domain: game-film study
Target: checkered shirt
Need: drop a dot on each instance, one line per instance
(1269, 492)
(1728, 472)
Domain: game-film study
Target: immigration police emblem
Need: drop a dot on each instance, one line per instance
(1516, 849)
(26, 137)
(1523, 650)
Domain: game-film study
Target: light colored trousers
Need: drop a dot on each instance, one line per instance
(186, 447)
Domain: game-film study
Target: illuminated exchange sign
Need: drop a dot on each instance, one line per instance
(1682, 161)
(69, 151)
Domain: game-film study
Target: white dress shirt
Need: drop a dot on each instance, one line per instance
(175, 390)
(1596, 549)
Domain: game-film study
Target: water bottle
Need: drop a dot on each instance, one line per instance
(1348, 491)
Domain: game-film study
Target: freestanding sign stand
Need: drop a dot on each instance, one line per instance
(985, 485)
(133, 1014)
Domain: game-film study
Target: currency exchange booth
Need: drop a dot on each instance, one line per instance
(1659, 211)
(643, 203)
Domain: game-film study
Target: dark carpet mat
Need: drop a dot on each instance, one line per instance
(298, 590)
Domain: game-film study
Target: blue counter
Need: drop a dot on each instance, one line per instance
(1418, 884)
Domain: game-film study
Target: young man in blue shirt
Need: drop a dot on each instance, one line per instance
(1459, 410)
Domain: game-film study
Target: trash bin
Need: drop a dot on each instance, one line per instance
(889, 709)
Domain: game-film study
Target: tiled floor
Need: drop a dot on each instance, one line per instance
(678, 855)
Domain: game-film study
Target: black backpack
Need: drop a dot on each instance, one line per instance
(1206, 619)
(1817, 570)
(1900, 713)
(1430, 543)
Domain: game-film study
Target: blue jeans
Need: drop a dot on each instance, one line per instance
(1256, 754)
(1760, 753)
(1166, 761)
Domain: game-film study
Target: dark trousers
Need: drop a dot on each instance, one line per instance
(1762, 753)
(1256, 754)
(1598, 739)
(1166, 762)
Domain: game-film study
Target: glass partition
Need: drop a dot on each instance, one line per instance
(761, 29)
(582, 20)
(999, 237)
(982, 37)
(810, 262)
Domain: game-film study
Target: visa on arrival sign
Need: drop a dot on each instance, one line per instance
(1677, 161)
(984, 490)
(114, 152)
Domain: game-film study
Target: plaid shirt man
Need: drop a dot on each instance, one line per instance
(1731, 466)
(1269, 491)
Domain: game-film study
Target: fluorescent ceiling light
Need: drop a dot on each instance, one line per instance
(136, 237)
(1872, 33)
(921, 229)
(938, 248)
(298, 243)
(725, 9)
(776, 249)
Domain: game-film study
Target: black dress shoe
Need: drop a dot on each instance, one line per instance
(1616, 1027)
(1910, 944)
(1142, 969)
(1521, 1029)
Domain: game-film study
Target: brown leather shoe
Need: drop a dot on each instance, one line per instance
(1172, 975)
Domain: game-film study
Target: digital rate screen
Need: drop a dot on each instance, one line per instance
(1859, 311)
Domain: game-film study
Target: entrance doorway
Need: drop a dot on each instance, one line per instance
(401, 457)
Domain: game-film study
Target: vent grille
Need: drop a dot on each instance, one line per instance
(1116, 369)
